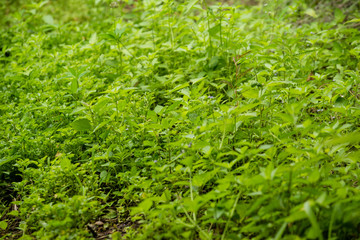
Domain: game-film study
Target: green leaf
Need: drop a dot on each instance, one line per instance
(310, 214)
(295, 216)
(158, 109)
(81, 124)
(218, 212)
(8, 159)
(48, 19)
(3, 225)
(195, 80)
(146, 205)
(188, 161)
(185, 92)
(74, 85)
(100, 106)
(103, 175)
(207, 150)
(354, 20)
(214, 30)
(83, 74)
(281, 231)
(311, 12)
(246, 107)
(314, 176)
(355, 155)
(214, 62)
(119, 31)
(178, 87)
(65, 163)
(100, 125)
(201, 179)
(13, 213)
(339, 15)
(250, 93)
(93, 38)
(110, 36)
(111, 214)
(346, 139)
(190, 5)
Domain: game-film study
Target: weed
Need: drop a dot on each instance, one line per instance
(179, 119)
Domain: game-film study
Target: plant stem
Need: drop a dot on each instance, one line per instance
(231, 215)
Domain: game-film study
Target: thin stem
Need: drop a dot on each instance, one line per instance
(120, 54)
(231, 215)
(194, 223)
(153, 27)
(210, 44)
(191, 194)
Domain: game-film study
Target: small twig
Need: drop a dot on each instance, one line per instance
(310, 77)
(353, 94)
(15, 206)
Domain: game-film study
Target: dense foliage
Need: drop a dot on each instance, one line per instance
(179, 119)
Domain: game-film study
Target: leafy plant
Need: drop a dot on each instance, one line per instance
(179, 119)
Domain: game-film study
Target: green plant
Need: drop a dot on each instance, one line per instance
(179, 119)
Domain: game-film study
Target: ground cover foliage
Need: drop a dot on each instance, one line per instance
(179, 119)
